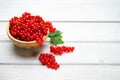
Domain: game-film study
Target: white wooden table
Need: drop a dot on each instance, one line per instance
(92, 26)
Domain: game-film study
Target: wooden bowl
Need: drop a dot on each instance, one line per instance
(23, 44)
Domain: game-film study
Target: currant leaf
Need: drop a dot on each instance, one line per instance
(56, 41)
(55, 34)
(56, 38)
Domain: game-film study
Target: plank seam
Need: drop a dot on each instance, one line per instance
(104, 64)
(77, 21)
(76, 41)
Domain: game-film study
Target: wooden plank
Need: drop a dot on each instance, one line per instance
(66, 72)
(85, 53)
(81, 31)
(63, 10)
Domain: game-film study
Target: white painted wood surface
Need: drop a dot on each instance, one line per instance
(67, 72)
(64, 10)
(85, 53)
(92, 26)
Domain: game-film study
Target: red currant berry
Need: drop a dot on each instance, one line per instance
(29, 28)
(59, 50)
(48, 60)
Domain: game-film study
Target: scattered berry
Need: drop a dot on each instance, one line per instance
(49, 60)
(59, 50)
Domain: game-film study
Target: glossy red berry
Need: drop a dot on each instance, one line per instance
(50, 26)
(29, 28)
(49, 60)
(59, 50)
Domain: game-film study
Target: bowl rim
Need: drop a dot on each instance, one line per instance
(8, 33)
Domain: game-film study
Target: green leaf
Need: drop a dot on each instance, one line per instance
(55, 34)
(56, 38)
(56, 41)
(60, 41)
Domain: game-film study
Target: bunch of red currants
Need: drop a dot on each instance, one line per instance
(29, 28)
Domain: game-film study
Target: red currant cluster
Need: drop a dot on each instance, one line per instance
(49, 60)
(29, 28)
(59, 50)
(52, 29)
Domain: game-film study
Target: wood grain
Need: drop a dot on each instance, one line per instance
(63, 10)
(85, 53)
(71, 72)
